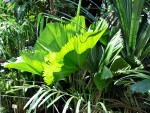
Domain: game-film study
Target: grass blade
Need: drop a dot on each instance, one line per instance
(78, 105)
(55, 100)
(40, 98)
(47, 98)
(67, 104)
(103, 106)
(36, 95)
(89, 107)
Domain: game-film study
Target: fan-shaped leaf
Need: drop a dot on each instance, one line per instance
(56, 35)
(20, 66)
(93, 60)
(71, 57)
(30, 61)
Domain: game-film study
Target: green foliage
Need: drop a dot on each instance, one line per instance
(14, 36)
(142, 86)
(29, 61)
(119, 64)
(52, 96)
(129, 14)
(136, 30)
(66, 50)
(17, 27)
(37, 100)
(72, 55)
(52, 40)
(136, 86)
(79, 63)
(112, 50)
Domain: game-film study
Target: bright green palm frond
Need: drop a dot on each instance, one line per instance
(63, 48)
(99, 25)
(71, 26)
(30, 61)
(71, 57)
(56, 35)
(34, 59)
(20, 66)
(48, 41)
(53, 38)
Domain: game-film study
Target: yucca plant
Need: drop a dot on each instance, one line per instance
(136, 35)
(135, 38)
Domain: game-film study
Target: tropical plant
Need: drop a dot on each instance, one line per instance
(80, 63)
(136, 35)
(136, 41)
(60, 57)
(54, 44)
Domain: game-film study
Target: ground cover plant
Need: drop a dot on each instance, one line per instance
(87, 67)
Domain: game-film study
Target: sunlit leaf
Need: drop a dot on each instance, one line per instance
(71, 57)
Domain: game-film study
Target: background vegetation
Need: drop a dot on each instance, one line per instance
(94, 63)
